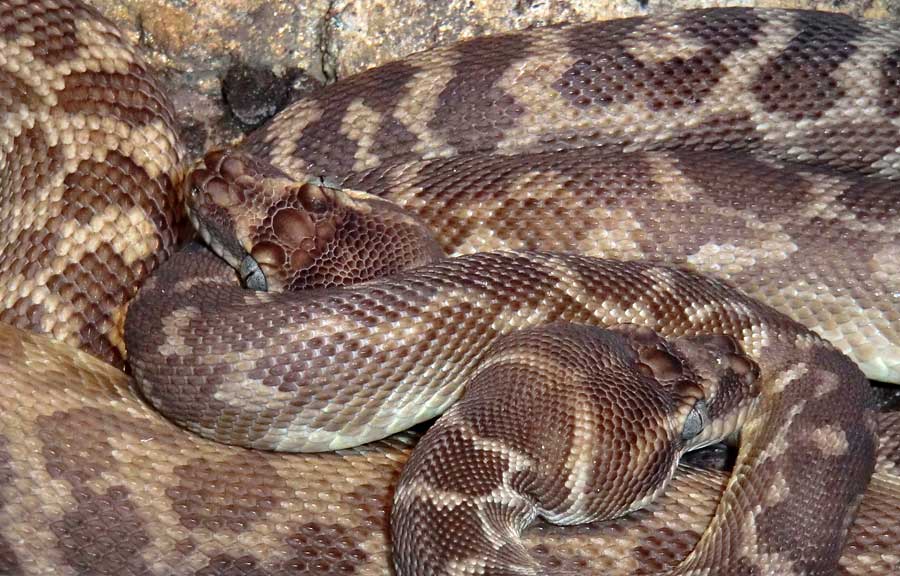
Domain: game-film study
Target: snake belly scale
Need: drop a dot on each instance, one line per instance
(759, 147)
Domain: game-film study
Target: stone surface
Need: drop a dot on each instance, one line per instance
(296, 44)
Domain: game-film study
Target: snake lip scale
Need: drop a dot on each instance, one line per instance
(591, 247)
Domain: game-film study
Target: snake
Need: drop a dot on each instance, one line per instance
(706, 197)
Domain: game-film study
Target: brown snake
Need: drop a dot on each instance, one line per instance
(573, 139)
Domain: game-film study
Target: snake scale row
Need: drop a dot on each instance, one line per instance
(760, 148)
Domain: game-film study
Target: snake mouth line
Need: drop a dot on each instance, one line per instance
(252, 276)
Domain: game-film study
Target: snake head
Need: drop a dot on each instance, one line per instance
(707, 375)
(258, 219)
(282, 234)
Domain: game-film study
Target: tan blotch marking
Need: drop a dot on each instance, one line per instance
(19, 60)
(130, 234)
(283, 137)
(860, 103)
(253, 298)
(732, 259)
(658, 40)
(580, 466)
(97, 53)
(864, 333)
(617, 234)
(825, 190)
(146, 442)
(419, 104)
(777, 489)
(674, 186)
(780, 444)
(359, 124)
(472, 565)
(358, 200)
(540, 106)
(172, 326)
(830, 440)
(151, 146)
(755, 337)
(828, 383)
(885, 267)
(742, 67)
(771, 563)
(780, 383)
(33, 513)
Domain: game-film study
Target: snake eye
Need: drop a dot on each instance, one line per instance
(696, 420)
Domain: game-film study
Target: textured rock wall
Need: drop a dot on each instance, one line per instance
(229, 64)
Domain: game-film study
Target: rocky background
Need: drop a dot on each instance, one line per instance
(231, 64)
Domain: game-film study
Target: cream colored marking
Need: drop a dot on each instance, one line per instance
(19, 60)
(172, 326)
(783, 379)
(860, 104)
(130, 234)
(659, 40)
(732, 259)
(283, 136)
(742, 68)
(780, 444)
(166, 529)
(151, 146)
(548, 57)
(97, 52)
(825, 190)
(748, 547)
(885, 268)
(777, 490)
(674, 186)
(579, 465)
(617, 234)
(830, 440)
(253, 298)
(866, 335)
(359, 124)
(828, 383)
(633, 122)
(35, 514)
(189, 284)
(420, 102)
(472, 565)
(419, 489)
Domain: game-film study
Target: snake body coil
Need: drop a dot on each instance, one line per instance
(757, 147)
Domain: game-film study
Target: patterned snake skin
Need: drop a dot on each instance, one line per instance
(612, 140)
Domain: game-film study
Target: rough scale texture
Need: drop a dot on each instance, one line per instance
(88, 156)
(172, 503)
(177, 504)
(301, 235)
(794, 86)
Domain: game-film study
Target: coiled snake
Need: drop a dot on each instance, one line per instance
(760, 147)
